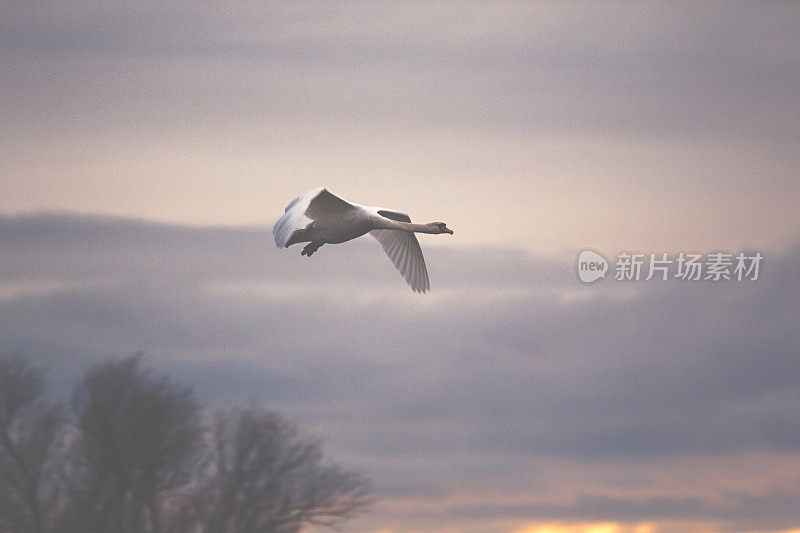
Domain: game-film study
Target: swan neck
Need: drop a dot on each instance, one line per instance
(416, 228)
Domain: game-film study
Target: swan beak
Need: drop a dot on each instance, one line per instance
(447, 230)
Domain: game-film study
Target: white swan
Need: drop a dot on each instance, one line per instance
(335, 220)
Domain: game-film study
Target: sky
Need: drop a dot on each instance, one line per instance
(147, 151)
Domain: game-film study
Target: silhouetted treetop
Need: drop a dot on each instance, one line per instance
(139, 455)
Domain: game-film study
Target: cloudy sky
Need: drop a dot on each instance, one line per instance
(147, 151)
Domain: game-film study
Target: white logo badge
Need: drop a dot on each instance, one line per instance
(591, 266)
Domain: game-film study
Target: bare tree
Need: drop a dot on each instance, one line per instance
(138, 457)
(139, 438)
(28, 437)
(267, 478)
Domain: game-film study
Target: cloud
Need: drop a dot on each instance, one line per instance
(630, 72)
(550, 117)
(510, 363)
(622, 62)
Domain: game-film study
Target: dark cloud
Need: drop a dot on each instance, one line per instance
(509, 357)
(603, 71)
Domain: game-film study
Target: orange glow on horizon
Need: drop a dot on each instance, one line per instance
(600, 527)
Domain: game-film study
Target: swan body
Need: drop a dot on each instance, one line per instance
(334, 221)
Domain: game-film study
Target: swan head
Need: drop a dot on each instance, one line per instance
(441, 227)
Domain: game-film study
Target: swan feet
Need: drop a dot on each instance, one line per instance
(311, 247)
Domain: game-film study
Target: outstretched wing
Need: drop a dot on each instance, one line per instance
(314, 204)
(403, 249)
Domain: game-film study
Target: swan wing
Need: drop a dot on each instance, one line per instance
(394, 215)
(314, 204)
(403, 249)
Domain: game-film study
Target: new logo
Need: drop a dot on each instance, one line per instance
(591, 266)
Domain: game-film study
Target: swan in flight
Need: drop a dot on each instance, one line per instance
(334, 220)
